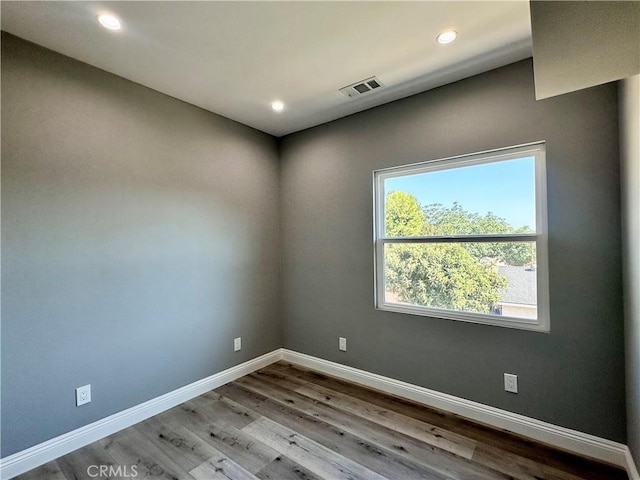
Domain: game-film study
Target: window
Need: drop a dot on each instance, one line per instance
(465, 238)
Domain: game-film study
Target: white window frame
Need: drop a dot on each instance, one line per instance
(536, 150)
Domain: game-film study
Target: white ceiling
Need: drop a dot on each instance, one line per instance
(235, 58)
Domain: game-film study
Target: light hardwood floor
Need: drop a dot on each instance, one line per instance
(287, 422)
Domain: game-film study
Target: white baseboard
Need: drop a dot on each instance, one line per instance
(560, 437)
(632, 471)
(56, 447)
(567, 439)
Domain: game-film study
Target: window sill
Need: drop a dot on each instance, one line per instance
(538, 325)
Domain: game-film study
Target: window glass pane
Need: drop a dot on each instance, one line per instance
(492, 198)
(492, 278)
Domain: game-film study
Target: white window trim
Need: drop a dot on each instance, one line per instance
(536, 150)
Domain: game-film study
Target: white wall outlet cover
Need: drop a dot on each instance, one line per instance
(342, 344)
(83, 395)
(237, 344)
(511, 383)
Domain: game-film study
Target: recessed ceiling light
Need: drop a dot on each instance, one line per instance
(278, 106)
(447, 36)
(109, 21)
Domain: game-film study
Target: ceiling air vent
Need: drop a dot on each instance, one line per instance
(363, 87)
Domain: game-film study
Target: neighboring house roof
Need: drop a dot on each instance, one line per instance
(521, 285)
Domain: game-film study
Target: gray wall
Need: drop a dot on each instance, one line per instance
(140, 236)
(573, 376)
(578, 44)
(630, 156)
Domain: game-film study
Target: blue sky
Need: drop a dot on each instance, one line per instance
(506, 189)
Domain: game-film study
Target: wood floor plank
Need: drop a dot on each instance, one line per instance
(221, 467)
(426, 432)
(131, 448)
(494, 459)
(75, 464)
(179, 443)
(48, 471)
(287, 381)
(252, 454)
(511, 466)
(311, 455)
(555, 474)
(407, 407)
(226, 439)
(508, 463)
(210, 406)
(233, 414)
(283, 468)
(413, 428)
(384, 461)
(556, 462)
(301, 411)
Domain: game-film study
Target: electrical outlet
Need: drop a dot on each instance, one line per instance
(510, 383)
(342, 344)
(83, 395)
(237, 344)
